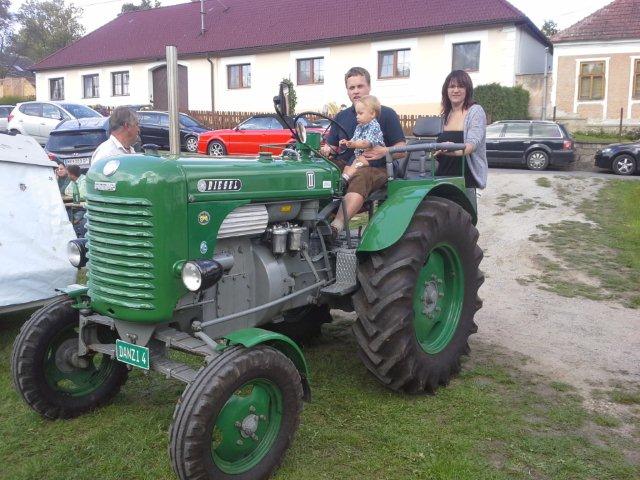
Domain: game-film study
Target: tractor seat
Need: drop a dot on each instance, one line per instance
(425, 129)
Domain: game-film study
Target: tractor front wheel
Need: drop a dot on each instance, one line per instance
(418, 298)
(49, 374)
(238, 417)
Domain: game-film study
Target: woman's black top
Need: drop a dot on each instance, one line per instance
(452, 166)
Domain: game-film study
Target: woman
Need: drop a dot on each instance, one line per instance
(464, 122)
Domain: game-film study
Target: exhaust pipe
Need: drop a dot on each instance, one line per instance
(172, 96)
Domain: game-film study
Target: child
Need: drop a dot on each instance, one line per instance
(368, 133)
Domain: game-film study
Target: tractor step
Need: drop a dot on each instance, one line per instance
(178, 340)
(346, 281)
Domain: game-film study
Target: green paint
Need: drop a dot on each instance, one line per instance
(438, 298)
(250, 337)
(247, 426)
(63, 377)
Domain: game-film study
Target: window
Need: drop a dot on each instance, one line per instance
(494, 131)
(310, 71)
(546, 130)
(394, 64)
(90, 86)
(56, 88)
(120, 84)
(516, 130)
(636, 80)
(239, 76)
(261, 123)
(163, 120)
(591, 81)
(466, 56)
(31, 109)
(51, 111)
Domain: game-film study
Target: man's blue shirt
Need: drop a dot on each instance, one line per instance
(389, 123)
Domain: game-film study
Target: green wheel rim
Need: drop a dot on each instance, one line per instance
(438, 298)
(247, 426)
(65, 377)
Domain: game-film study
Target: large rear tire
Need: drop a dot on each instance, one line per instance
(418, 298)
(238, 417)
(46, 369)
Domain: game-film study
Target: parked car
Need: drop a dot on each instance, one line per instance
(621, 158)
(74, 141)
(5, 111)
(37, 119)
(248, 136)
(536, 144)
(154, 128)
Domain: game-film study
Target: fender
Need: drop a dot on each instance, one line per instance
(250, 337)
(394, 215)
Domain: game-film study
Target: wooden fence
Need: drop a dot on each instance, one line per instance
(219, 120)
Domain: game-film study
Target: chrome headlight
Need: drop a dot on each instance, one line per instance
(77, 252)
(201, 274)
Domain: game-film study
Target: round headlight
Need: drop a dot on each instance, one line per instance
(110, 167)
(191, 276)
(74, 254)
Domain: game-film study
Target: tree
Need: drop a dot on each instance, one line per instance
(144, 5)
(293, 99)
(549, 28)
(45, 27)
(6, 19)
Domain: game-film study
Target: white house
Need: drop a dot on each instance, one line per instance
(236, 62)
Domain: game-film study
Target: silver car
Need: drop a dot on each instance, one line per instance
(37, 119)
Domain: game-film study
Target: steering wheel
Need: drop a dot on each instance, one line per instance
(335, 150)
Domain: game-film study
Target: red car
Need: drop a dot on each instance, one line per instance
(251, 137)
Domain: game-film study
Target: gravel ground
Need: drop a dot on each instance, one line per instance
(588, 344)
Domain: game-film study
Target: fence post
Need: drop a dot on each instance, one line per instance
(620, 127)
(554, 113)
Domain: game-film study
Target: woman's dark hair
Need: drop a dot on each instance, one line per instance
(462, 79)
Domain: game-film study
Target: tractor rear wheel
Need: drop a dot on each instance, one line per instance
(418, 298)
(47, 371)
(238, 417)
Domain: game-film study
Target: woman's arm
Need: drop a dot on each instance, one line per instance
(475, 128)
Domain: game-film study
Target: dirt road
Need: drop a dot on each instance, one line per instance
(588, 344)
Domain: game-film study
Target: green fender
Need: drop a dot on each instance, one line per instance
(403, 197)
(250, 337)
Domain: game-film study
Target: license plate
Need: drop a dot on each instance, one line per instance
(132, 354)
(78, 161)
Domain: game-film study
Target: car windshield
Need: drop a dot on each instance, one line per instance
(70, 141)
(187, 121)
(80, 111)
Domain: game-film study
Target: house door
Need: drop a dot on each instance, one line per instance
(160, 98)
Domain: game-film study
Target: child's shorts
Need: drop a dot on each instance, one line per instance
(367, 179)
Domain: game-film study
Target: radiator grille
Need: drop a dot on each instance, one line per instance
(245, 221)
(121, 256)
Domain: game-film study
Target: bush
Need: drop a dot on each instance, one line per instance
(13, 99)
(503, 103)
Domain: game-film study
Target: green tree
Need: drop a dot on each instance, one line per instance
(549, 28)
(6, 20)
(144, 5)
(293, 99)
(45, 27)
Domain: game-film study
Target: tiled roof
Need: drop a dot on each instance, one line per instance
(257, 25)
(616, 21)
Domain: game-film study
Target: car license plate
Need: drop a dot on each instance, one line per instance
(132, 354)
(78, 161)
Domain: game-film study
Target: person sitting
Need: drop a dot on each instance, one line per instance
(362, 181)
(368, 133)
(62, 177)
(464, 122)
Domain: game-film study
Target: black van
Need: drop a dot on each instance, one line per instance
(534, 143)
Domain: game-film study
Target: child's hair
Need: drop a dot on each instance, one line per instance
(371, 102)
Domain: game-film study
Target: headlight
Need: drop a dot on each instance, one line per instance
(77, 252)
(201, 274)
(606, 150)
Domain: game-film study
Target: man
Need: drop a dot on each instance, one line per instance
(77, 189)
(124, 127)
(370, 174)
(62, 176)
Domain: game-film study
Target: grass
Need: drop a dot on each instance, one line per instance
(598, 259)
(543, 182)
(493, 422)
(604, 137)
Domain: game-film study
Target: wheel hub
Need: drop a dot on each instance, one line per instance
(66, 358)
(430, 297)
(249, 425)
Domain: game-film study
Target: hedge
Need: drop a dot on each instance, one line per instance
(503, 103)
(13, 99)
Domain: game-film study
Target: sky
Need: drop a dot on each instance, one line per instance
(564, 12)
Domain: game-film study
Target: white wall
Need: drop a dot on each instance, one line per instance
(531, 56)
(503, 52)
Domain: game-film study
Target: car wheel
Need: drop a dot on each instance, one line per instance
(191, 144)
(216, 149)
(623, 165)
(537, 160)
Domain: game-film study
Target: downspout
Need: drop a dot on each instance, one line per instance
(213, 103)
(544, 94)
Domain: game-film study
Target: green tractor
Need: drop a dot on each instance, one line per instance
(220, 258)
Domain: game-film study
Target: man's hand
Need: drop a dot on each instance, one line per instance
(375, 153)
(326, 150)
